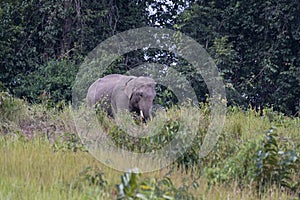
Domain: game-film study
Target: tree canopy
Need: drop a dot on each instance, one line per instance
(255, 44)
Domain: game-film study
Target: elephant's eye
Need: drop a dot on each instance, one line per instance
(140, 94)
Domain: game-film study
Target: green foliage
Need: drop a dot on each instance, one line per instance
(242, 160)
(264, 161)
(134, 188)
(69, 142)
(165, 134)
(243, 173)
(255, 45)
(36, 34)
(164, 97)
(91, 176)
(2, 87)
(164, 13)
(166, 127)
(12, 109)
(49, 83)
(276, 162)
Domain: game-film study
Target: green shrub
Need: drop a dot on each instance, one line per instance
(69, 142)
(164, 128)
(51, 82)
(12, 109)
(267, 161)
(277, 161)
(132, 187)
(92, 177)
(2, 87)
(165, 97)
(239, 167)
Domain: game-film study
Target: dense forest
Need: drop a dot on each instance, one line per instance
(255, 44)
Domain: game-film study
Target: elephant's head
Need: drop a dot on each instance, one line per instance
(141, 92)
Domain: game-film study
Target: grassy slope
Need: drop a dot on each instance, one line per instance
(33, 169)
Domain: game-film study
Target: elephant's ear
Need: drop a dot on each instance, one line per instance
(130, 87)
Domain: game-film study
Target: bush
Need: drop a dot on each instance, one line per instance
(51, 82)
(90, 176)
(164, 128)
(272, 160)
(277, 161)
(134, 188)
(69, 142)
(228, 170)
(12, 109)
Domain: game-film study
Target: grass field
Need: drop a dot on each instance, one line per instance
(46, 165)
(32, 170)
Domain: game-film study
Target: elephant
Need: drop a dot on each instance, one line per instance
(120, 92)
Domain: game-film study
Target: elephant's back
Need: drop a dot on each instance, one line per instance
(107, 82)
(103, 87)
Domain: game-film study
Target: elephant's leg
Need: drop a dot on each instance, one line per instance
(105, 104)
(119, 99)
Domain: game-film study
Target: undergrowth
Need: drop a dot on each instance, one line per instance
(43, 155)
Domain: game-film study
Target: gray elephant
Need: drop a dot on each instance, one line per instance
(119, 92)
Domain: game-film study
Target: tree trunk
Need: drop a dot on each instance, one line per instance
(66, 37)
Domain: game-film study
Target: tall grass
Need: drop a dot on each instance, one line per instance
(53, 164)
(33, 170)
